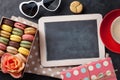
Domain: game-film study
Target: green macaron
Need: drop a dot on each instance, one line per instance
(17, 31)
(25, 44)
(4, 40)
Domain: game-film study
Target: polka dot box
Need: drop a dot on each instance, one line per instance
(99, 70)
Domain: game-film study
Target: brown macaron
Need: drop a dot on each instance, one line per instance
(14, 44)
(8, 22)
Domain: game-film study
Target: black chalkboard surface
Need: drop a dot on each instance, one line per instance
(70, 40)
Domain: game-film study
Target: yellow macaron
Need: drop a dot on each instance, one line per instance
(30, 30)
(7, 28)
(15, 38)
(5, 33)
(23, 51)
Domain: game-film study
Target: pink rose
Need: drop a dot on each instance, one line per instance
(12, 65)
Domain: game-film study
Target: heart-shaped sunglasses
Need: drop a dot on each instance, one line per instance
(30, 9)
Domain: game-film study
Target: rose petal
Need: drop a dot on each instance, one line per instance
(4, 58)
(21, 67)
(16, 75)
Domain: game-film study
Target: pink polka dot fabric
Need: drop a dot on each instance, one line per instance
(98, 70)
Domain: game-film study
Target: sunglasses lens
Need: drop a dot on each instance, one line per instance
(30, 9)
(51, 4)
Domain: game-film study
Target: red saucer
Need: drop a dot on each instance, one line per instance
(105, 33)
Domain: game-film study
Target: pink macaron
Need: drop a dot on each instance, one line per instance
(19, 25)
(28, 37)
(2, 46)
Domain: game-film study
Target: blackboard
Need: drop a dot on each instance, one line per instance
(70, 40)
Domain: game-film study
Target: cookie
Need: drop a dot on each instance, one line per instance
(17, 31)
(15, 38)
(4, 40)
(5, 34)
(76, 7)
(14, 44)
(28, 37)
(25, 44)
(19, 25)
(11, 50)
(8, 22)
(6, 28)
(23, 51)
(30, 30)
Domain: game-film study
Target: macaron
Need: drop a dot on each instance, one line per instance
(2, 46)
(14, 44)
(21, 57)
(4, 40)
(19, 25)
(23, 51)
(6, 28)
(17, 31)
(28, 37)
(5, 33)
(15, 38)
(76, 7)
(1, 53)
(25, 44)
(8, 22)
(12, 50)
(30, 30)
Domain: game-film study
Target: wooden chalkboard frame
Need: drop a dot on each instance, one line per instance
(43, 50)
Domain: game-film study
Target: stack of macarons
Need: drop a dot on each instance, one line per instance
(27, 39)
(5, 32)
(16, 38)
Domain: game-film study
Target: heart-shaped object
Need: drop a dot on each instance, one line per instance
(29, 9)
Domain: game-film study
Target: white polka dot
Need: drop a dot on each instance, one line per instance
(75, 72)
(62, 76)
(93, 77)
(108, 73)
(33, 62)
(43, 72)
(27, 65)
(49, 69)
(36, 54)
(63, 69)
(105, 63)
(41, 66)
(30, 56)
(91, 68)
(52, 75)
(29, 71)
(57, 73)
(35, 69)
(34, 47)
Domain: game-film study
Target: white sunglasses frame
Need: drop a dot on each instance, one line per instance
(38, 5)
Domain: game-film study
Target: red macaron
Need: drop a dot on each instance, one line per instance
(28, 37)
(2, 46)
(19, 25)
